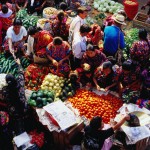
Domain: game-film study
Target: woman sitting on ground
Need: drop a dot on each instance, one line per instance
(58, 53)
(129, 79)
(105, 78)
(37, 41)
(16, 36)
(92, 58)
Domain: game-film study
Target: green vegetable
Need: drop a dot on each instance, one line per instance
(130, 37)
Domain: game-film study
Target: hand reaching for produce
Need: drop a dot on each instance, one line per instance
(98, 87)
(106, 89)
(18, 61)
(55, 63)
(13, 54)
(127, 117)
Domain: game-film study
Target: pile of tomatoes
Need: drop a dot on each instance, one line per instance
(90, 104)
(34, 76)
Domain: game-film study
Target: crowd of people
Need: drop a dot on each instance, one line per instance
(73, 50)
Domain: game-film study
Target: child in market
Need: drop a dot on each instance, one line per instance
(74, 79)
(105, 78)
(129, 78)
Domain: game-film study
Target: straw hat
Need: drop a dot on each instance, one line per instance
(119, 19)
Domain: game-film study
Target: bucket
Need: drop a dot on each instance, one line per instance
(131, 8)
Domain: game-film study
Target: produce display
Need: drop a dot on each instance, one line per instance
(107, 6)
(34, 76)
(47, 12)
(89, 104)
(30, 21)
(99, 18)
(130, 37)
(41, 98)
(68, 90)
(89, 20)
(53, 83)
(8, 65)
(2, 81)
(129, 2)
(27, 20)
(22, 13)
(41, 22)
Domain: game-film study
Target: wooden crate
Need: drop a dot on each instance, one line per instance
(139, 21)
(62, 139)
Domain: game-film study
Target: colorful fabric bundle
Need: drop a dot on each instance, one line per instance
(4, 118)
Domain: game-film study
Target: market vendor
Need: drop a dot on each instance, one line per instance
(58, 53)
(129, 79)
(94, 136)
(92, 58)
(14, 96)
(5, 2)
(59, 26)
(37, 41)
(140, 50)
(36, 6)
(6, 17)
(114, 37)
(15, 38)
(105, 78)
(21, 4)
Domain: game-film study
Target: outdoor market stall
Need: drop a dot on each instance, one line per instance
(61, 107)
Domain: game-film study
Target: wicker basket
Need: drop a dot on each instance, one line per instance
(139, 21)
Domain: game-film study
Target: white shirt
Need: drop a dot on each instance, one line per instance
(15, 38)
(30, 45)
(32, 1)
(78, 45)
(8, 14)
(75, 25)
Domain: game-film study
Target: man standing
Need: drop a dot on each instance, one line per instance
(79, 45)
(77, 23)
(114, 37)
